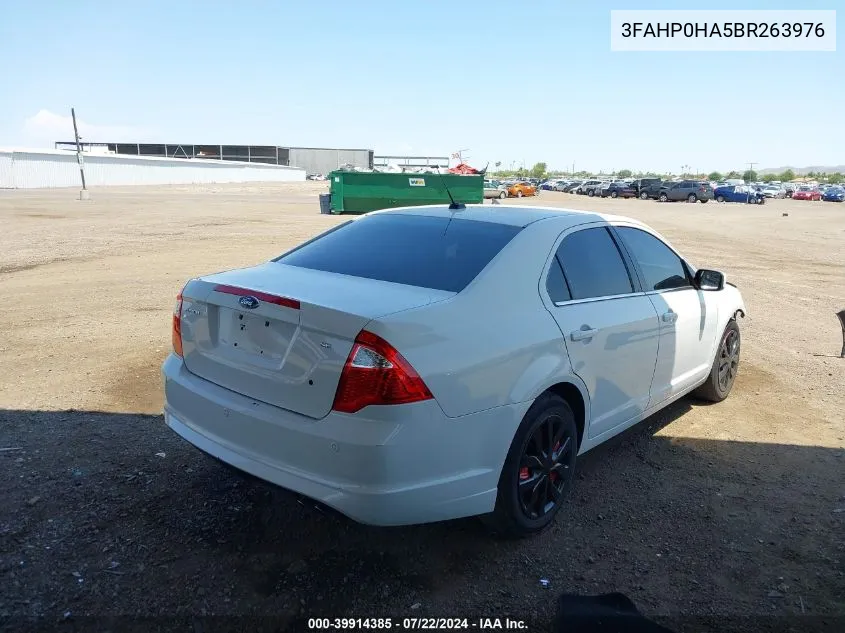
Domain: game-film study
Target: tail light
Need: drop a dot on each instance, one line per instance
(177, 326)
(375, 373)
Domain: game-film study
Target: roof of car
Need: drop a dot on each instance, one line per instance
(511, 215)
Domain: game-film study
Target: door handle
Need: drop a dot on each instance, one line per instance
(670, 317)
(580, 335)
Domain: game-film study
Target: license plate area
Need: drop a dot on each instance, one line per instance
(255, 335)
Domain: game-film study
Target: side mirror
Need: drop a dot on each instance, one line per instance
(709, 279)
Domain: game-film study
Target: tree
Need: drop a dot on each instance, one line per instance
(538, 170)
(749, 175)
(733, 175)
(769, 177)
(624, 173)
(786, 176)
(835, 179)
(714, 175)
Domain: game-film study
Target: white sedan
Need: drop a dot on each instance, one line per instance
(427, 363)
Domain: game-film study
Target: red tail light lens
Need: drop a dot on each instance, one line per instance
(375, 373)
(177, 326)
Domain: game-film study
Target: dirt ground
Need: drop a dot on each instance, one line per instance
(711, 518)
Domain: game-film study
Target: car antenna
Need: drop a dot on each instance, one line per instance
(453, 206)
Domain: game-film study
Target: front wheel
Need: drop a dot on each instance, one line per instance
(704, 200)
(519, 194)
(725, 366)
(691, 198)
(643, 196)
(613, 194)
(664, 197)
(591, 193)
(720, 198)
(538, 470)
(503, 195)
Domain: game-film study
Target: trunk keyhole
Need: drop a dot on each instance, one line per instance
(266, 323)
(310, 382)
(241, 317)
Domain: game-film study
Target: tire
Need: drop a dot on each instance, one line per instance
(691, 198)
(720, 198)
(503, 195)
(510, 518)
(643, 195)
(704, 200)
(714, 389)
(613, 194)
(519, 193)
(761, 201)
(591, 193)
(663, 197)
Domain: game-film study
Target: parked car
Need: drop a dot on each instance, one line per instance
(495, 189)
(738, 193)
(618, 190)
(788, 190)
(805, 192)
(521, 189)
(587, 184)
(773, 191)
(561, 185)
(594, 189)
(573, 186)
(651, 190)
(359, 377)
(834, 194)
(689, 190)
(642, 185)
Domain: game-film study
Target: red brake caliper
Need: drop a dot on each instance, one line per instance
(523, 473)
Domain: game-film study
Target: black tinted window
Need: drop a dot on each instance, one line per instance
(660, 266)
(593, 265)
(556, 284)
(430, 252)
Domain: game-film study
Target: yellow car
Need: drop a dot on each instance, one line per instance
(522, 189)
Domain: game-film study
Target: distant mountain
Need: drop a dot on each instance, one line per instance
(800, 171)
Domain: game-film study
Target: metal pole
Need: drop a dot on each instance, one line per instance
(83, 195)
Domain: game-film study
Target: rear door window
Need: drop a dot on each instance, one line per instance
(556, 283)
(430, 252)
(593, 265)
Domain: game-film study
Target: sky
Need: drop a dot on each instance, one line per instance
(510, 82)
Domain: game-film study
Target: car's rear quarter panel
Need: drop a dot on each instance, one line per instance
(494, 343)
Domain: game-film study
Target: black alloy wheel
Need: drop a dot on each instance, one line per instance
(538, 470)
(728, 359)
(544, 468)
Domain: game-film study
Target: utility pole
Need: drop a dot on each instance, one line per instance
(83, 194)
(751, 165)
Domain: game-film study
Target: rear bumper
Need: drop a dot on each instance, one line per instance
(395, 465)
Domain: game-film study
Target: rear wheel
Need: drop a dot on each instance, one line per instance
(663, 197)
(720, 198)
(614, 194)
(519, 193)
(692, 198)
(643, 195)
(725, 366)
(538, 470)
(591, 193)
(503, 195)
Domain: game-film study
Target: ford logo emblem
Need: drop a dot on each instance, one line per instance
(250, 303)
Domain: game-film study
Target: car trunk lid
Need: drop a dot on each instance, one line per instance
(281, 334)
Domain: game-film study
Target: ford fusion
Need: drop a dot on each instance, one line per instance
(428, 363)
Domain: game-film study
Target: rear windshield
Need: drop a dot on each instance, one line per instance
(415, 250)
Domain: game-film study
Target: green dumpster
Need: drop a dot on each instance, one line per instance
(358, 192)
